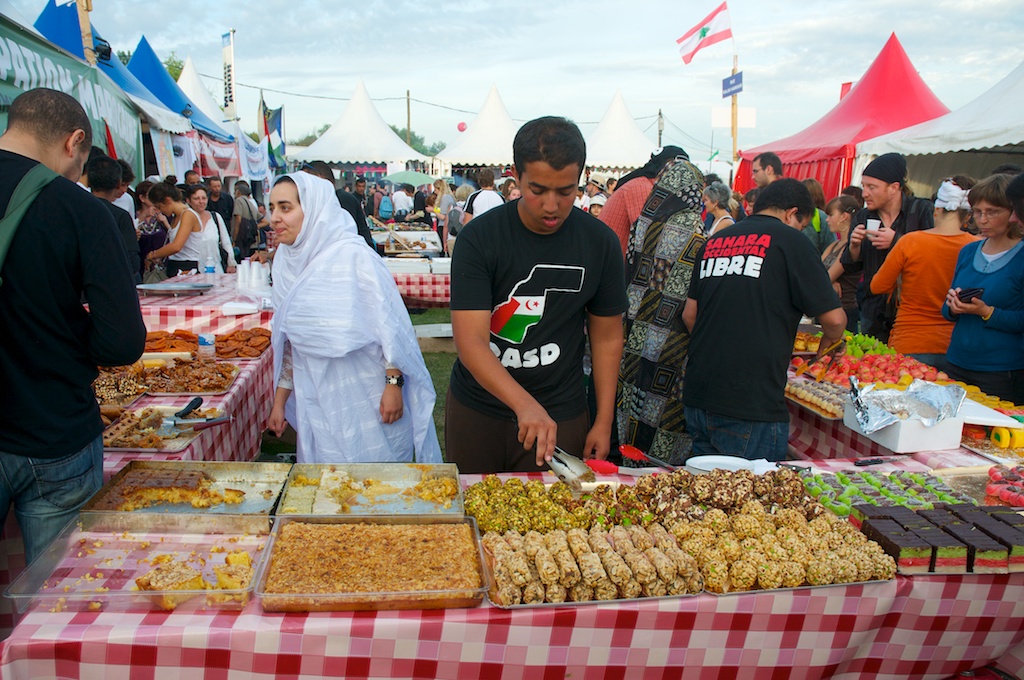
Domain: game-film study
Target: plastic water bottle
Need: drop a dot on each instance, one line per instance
(207, 346)
(210, 269)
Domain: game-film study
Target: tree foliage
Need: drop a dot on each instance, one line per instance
(311, 137)
(173, 63)
(418, 143)
(125, 56)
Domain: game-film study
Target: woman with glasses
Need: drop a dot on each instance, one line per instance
(986, 298)
(919, 269)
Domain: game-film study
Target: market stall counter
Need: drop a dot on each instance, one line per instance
(206, 312)
(424, 290)
(928, 626)
(247, 402)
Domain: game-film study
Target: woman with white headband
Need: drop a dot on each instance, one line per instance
(347, 366)
(919, 269)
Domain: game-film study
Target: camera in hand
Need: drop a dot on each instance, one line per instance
(968, 294)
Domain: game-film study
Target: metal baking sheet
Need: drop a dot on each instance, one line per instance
(227, 388)
(300, 499)
(169, 445)
(797, 588)
(92, 565)
(493, 590)
(171, 288)
(435, 599)
(821, 413)
(261, 482)
(991, 452)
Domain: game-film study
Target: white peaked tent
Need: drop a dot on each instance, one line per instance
(971, 140)
(488, 139)
(618, 142)
(252, 155)
(360, 135)
(192, 85)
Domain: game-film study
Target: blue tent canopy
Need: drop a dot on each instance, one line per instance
(59, 25)
(146, 66)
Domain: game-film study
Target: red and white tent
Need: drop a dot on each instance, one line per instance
(890, 96)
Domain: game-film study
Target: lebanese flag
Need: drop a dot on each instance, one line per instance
(715, 28)
(511, 319)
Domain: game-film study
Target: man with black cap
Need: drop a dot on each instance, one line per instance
(889, 212)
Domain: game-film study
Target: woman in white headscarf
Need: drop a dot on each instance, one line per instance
(919, 269)
(347, 366)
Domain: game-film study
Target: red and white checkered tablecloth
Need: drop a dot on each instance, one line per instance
(248, 403)
(424, 290)
(923, 627)
(201, 313)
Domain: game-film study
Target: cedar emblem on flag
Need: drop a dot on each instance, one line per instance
(715, 28)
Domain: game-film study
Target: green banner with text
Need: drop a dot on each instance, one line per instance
(28, 61)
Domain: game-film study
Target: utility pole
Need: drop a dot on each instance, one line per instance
(661, 127)
(408, 119)
(84, 7)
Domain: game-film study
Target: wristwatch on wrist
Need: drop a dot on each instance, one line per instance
(398, 380)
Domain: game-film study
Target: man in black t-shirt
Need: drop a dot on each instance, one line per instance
(105, 182)
(528, 277)
(220, 202)
(65, 248)
(754, 280)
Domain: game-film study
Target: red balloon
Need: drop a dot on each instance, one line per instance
(462, 127)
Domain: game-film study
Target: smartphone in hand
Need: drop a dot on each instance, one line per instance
(968, 294)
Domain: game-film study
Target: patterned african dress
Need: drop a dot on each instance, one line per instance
(663, 245)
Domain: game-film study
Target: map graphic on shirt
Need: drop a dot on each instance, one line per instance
(524, 307)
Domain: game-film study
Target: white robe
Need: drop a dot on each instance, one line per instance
(339, 308)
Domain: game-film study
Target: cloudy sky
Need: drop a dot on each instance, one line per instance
(567, 57)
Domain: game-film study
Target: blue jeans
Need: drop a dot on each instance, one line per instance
(717, 434)
(47, 493)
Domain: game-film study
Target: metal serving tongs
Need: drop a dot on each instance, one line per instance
(830, 352)
(570, 469)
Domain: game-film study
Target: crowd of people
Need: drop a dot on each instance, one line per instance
(656, 309)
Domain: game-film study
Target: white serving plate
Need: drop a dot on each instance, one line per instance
(709, 463)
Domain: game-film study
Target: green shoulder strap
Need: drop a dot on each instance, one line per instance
(21, 200)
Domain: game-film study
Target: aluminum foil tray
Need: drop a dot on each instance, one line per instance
(372, 601)
(261, 482)
(91, 566)
(389, 490)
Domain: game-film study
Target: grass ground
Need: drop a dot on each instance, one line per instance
(438, 363)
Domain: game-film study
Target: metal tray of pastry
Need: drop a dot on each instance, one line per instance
(225, 390)
(93, 564)
(813, 408)
(988, 450)
(390, 489)
(456, 597)
(167, 445)
(494, 601)
(261, 482)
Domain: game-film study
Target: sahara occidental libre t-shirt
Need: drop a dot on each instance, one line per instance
(753, 282)
(539, 290)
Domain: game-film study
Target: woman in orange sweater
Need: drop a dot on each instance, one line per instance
(920, 267)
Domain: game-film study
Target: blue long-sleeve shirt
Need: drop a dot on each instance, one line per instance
(996, 344)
